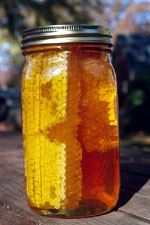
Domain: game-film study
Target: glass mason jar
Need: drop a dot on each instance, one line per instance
(70, 121)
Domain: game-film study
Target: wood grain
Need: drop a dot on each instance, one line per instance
(133, 207)
(138, 206)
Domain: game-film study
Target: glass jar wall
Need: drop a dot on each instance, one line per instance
(70, 130)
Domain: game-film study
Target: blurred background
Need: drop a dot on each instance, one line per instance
(129, 21)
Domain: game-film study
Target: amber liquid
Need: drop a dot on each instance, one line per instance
(70, 132)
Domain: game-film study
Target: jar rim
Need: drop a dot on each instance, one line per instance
(67, 33)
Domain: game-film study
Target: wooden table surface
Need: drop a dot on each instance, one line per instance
(134, 203)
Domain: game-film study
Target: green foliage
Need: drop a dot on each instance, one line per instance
(16, 15)
(19, 14)
(136, 97)
(138, 101)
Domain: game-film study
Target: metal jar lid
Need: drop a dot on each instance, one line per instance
(74, 33)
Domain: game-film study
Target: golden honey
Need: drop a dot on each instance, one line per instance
(70, 130)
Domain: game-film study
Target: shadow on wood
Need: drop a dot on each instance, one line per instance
(134, 176)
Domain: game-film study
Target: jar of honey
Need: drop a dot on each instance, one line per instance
(70, 121)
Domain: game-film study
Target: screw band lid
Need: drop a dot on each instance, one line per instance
(71, 33)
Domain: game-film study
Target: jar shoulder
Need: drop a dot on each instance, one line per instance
(95, 64)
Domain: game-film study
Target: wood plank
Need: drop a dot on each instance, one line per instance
(12, 160)
(135, 183)
(107, 219)
(116, 218)
(138, 206)
(134, 156)
(19, 204)
(9, 217)
(136, 168)
(145, 190)
(113, 218)
(134, 208)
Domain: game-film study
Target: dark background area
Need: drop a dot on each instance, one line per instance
(129, 22)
